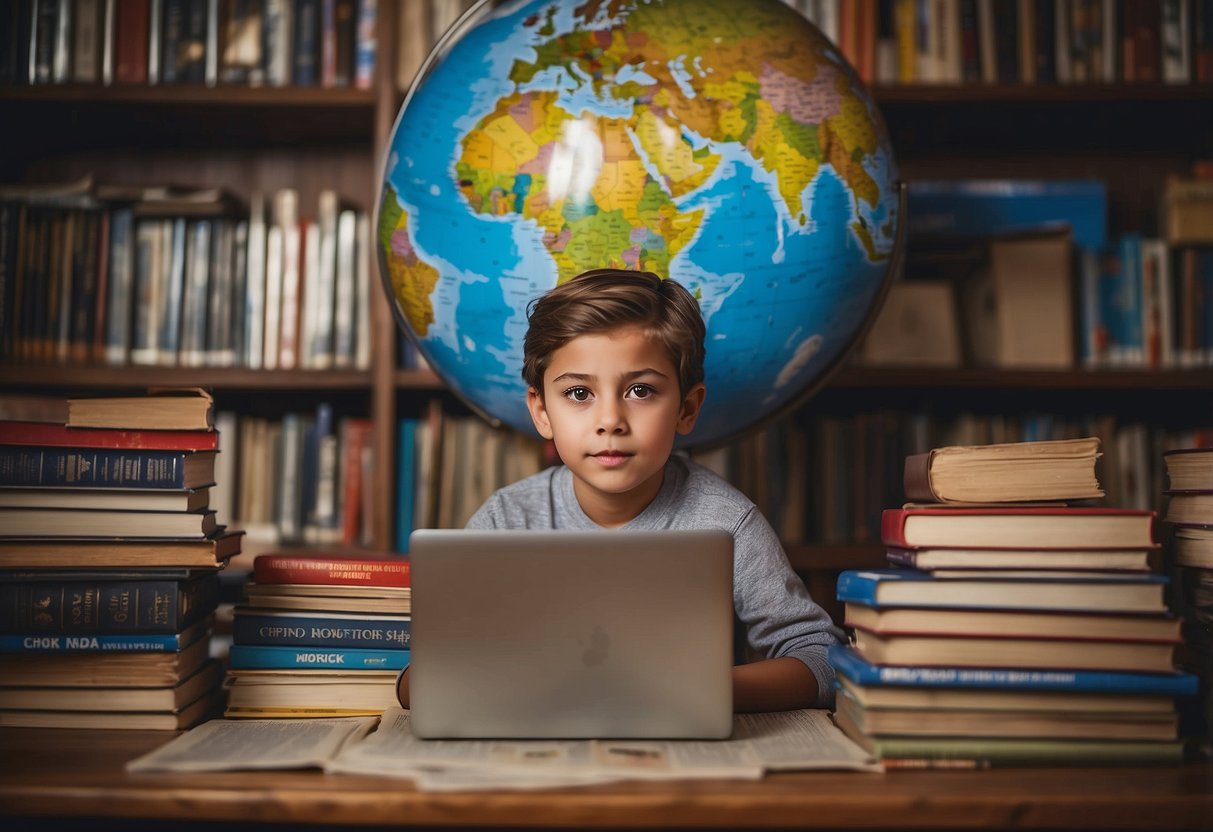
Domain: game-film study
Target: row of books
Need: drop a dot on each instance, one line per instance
(106, 610)
(182, 277)
(1189, 544)
(303, 478)
(306, 43)
(828, 478)
(319, 636)
(1020, 622)
(1023, 273)
(1020, 41)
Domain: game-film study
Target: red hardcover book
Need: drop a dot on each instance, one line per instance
(324, 569)
(57, 435)
(131, 34)
(1042, 527)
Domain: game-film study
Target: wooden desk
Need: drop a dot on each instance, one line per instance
(77, 776)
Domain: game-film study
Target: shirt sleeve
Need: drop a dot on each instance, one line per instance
(771, 600)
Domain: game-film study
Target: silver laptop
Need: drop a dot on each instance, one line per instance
(544, 634)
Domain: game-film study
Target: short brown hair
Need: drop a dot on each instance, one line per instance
(601, 300)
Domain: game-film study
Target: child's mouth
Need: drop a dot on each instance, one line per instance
(610, 459)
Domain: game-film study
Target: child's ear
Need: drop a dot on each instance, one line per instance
(539, 412)
(692, 403)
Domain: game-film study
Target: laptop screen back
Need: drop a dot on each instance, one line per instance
(546, 634)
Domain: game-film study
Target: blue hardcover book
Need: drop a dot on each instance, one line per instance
(115, 643)
(849, 663)
(984, 207)
(296, 629)
(406, 475)
(365, 44)
(263, 657)
(1128, 592)
(52, 467)
(306, 44)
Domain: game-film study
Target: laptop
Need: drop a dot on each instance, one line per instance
(553, 634)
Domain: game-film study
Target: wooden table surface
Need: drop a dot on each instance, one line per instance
(79, 775)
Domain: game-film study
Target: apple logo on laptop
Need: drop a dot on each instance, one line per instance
(600, 645)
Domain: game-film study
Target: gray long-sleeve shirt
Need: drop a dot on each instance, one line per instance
(771, 602)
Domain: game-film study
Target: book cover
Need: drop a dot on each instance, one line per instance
(254, 657)
(1115, 560)
(325, 569)
(105, 606)
(118, 699)
(103, 642)
(161, 408)
(1004, 472)
(976, 207)
(252, 626)
(848, 662)
(111, 669)
(120, 553)
(187, 717)
(1161, 628)
(1027, 653)
(60, 435)
(82, 523)
(1106, 592)
(1013, 527)
(56, 467)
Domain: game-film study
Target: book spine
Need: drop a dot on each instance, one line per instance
(365, 44)
(319, 631)
(276, 569)
(117, 643)
(255, 657)
(60, 467)
(845, 660)
(306, 43)
(56, 435)
(104, 607)
(857, 588)
(892, 528)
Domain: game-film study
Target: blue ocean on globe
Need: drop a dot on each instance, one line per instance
(745, 161)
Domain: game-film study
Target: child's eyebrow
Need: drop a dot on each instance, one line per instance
(628, 376)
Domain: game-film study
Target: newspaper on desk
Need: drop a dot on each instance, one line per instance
(237, 744)
(789, 740)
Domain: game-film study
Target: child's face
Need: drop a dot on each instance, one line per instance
(612, 406)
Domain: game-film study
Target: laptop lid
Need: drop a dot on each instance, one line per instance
(547, 634)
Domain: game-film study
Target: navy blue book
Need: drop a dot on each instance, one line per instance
(264, 657)
(982, 208)
(97, 607)
(305, 629)
(51, 467)
(1100, 592)
(851, 665)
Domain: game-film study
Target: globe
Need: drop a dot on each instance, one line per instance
(723, 143)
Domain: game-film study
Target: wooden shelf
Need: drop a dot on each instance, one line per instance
(1135, 380)
(806, 557)
(1038, 94)
(73, 117)
(94, 377)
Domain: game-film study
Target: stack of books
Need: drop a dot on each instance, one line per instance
(1016, 626)
(109, 562)
(1189, 516)
(319, 636)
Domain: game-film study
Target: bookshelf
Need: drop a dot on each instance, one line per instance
(1131, 135)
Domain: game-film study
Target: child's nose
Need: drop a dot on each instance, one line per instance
(610, 418)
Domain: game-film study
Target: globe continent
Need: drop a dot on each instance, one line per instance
(722, 143)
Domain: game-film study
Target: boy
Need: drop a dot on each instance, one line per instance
(613, 361)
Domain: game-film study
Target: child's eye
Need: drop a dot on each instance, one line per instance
(577, 394)
(641, 391)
